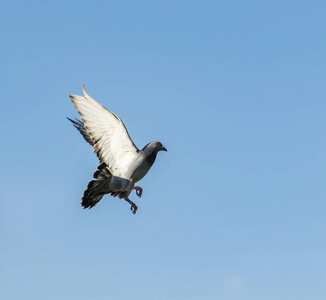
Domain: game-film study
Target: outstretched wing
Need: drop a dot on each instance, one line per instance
(112, 143)
(80, 126)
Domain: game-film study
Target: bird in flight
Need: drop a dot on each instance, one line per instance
(122, 164)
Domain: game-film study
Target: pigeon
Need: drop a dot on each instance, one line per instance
(122, 164)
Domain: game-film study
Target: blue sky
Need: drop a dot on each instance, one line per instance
(235, 209)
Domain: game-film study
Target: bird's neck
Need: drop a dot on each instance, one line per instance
(151, 158)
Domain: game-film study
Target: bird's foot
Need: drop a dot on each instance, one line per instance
(133, 207)
(139, 190)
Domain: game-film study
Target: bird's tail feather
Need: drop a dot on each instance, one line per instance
(99, 187)
(93, 193)
(96, 188)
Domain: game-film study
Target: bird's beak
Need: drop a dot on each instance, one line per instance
(164, 149)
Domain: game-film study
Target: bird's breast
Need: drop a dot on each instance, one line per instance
(140, 168)
(140, 172)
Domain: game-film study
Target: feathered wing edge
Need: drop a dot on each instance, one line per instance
(107, 132)
(81, 128)
(88, 97)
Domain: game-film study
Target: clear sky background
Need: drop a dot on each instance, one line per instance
(235, 90)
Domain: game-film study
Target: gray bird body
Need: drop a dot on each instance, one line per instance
(122, 163)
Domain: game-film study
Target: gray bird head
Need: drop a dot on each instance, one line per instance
(154, 147)
(151, 151)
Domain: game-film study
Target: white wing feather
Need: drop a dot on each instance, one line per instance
(112, 142)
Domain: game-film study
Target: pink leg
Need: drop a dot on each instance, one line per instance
(133, 205)
(139, 190)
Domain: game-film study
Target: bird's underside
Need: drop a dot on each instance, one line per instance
(105, 183)
(122, 164)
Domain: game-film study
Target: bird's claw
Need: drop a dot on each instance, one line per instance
(133, 208)
(139, 190)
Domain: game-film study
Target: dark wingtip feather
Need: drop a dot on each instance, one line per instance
(76, 122)
(79, 125)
